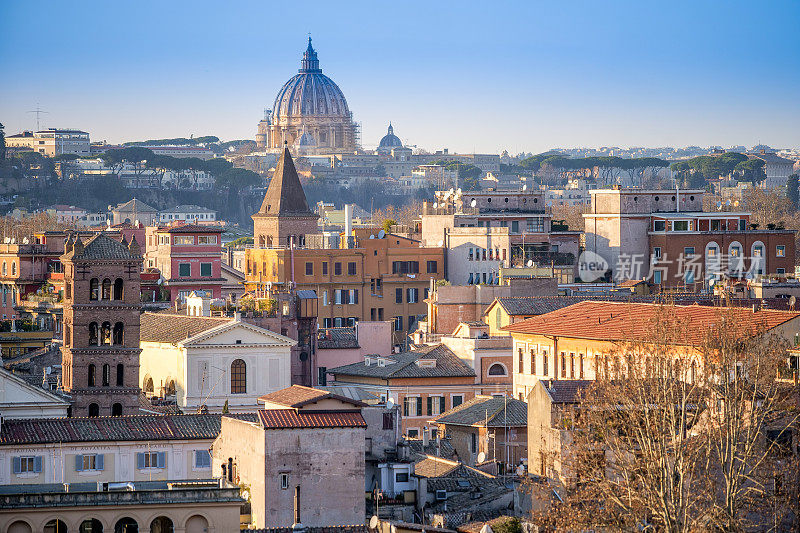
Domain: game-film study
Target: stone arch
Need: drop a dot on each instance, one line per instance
(712, 259)
(497, 369)
(91, 525)
(126, 525)
(55, 526)
(118, 333)
(20, 526)
(94, 410)
(735, 259)
(147, 384)
(162, 524)
(106, 293)
(116, 409)
(758, 252)
(94, 289)
(197, 524)
(119, 287)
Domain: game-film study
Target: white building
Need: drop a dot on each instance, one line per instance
(211, 362)
(107, 449)
(51, 142)
(20, 399)
(188, 213)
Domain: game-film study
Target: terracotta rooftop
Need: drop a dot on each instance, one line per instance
(565, 390)
(294, 419)
(171, 328)
(622, 321)
(337, 338)
(539, 305)
(298, 396)
(432, 467)
(499, 412)
(404, 365)
(108, 429)
(101, 246)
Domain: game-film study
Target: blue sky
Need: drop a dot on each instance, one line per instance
(483, 76)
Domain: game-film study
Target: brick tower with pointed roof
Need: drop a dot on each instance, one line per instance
(284, 215)
(102, 304)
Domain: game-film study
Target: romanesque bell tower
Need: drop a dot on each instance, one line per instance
(102, 304)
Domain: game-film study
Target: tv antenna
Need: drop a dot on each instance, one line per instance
(38, 112)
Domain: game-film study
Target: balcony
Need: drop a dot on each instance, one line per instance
(787, 374)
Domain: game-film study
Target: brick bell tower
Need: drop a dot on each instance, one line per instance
(102, 304)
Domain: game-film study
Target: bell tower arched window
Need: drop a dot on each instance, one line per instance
(94, 289)
(106, 289)
(118, 286)
(118, 333)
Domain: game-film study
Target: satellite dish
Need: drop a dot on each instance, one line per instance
(473, 203)
(373, 522)
(389, 403)
(381, 234)
(530, 262)
(525, 187)
(481, 457)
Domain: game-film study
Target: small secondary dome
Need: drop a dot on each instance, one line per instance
(390, 140)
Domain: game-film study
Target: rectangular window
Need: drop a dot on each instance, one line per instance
(435, 405)
(657, 252)
(545, 364)
(388, 420)
(412, 295)
(206, 239)
(432, 267)
(680, 225)
(688, 251)
(533, 361)
(183, 239)
(515, 226)
(657, 277)
(780, 251)
(351, 268)
(205, 270)
(309, 268)
(185, 270)
(412, 320)
(521, 367)
(150, 460)
(284, 481)
(27, 465)
(398, 323)
(337, 296)
(324, 268)
(398, 296)
(780, 271)
(380, 313)
(412, 406)
(327, 322)
(202, 459)
(563, 364)
(338, 322)
(88, 462)
(534, 225)
(401, 477)
(324, 297)
(322, 375)
(337, 269)
(659, 225)
(469, 255)
(457, 400)
(352, 296)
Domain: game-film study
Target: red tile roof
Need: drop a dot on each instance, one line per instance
(298, 396)
(293, 419)
(622, 321)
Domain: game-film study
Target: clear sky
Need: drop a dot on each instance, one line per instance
(482, 76)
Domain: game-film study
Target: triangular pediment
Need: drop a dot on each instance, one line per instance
(238, 333)
(15, 390)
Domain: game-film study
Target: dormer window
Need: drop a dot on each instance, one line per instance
(426, 363)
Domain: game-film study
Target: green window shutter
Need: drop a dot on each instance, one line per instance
(430, 405)
(419, 406)
(441, 404)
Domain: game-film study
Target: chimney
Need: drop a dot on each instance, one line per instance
(425, 437)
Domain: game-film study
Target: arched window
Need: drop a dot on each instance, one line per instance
(5, 268)
(106, 375)
(238, 377)
(92, 372)
(55, 526)
(13, 268)
(116, 409)
(106, 289)
(261, 242)
(94, 334)
(120, 374)
(94, 289)
(118, 289)
(126, 525)
(162, 524)
(91, 525)
(94, 410)
(497, 370)
(105, 333)
(118, 330)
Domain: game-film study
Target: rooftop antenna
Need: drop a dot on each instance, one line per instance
(38, 112)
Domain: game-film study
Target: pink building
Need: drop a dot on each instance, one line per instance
(343, 346)
(188, 257)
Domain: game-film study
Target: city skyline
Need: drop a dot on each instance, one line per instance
(521, 78)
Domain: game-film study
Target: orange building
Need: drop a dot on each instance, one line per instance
(373, 276)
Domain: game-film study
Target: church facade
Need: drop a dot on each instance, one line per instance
(310, 114)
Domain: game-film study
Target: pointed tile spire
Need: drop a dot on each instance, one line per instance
(285, 195)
